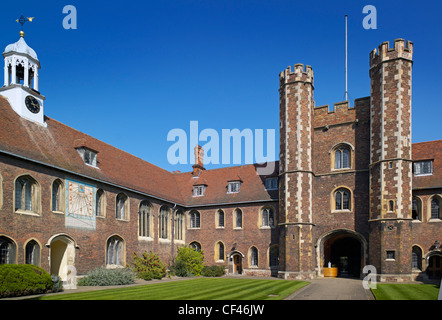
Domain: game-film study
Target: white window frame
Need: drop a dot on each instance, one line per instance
(198, 191)
(419, 168)
(89, 156)
(233, 186)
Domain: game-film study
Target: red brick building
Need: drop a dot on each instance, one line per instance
(350, 189)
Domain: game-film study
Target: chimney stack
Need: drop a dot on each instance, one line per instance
(199, 161)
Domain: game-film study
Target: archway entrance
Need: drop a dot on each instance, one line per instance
(235, 262)
(344, 249)
(62, 255)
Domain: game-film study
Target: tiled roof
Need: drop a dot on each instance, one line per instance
(431, 150)
(55, 146)
(252, 186)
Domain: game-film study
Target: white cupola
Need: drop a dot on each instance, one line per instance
(21, 80)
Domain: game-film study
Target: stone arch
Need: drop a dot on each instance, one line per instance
(62, 255)
(349, 243)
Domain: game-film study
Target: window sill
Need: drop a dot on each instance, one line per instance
(194, 228)
(123, 220)
(340, 169)
(342, 211)
(434, 220)
(220, 228)
(237, 228)
(147, 239)
(26, 212)
(416, 221)
(162, 240)
(58, 212)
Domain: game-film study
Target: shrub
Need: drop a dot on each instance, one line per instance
(107, 277)
(23, 279)
(148, 266)
(191, 258)
(179, 268)
(213, 271)
(58, 284)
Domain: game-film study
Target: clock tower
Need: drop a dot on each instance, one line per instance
(21, 81)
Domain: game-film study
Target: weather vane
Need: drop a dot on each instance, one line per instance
(22, 21)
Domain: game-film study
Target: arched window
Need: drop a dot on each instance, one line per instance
(26, 194)
(32, 253)
(195, 219)
(416, 258)
(238, 218)
(179, 225)
(219, 251)
(342, 157)
(115, 251)
(100, 204)
(164, 222)
(416, 209)
(253, 257)
(435, 208)
(144, 219)
(195, 246)
(57, 196)
(220, 219)
(391, 205)
(122, 207)
(7, 251)
(342, 199)
(268, 217)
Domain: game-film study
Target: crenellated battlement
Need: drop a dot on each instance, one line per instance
(299, 73)
(341, 113)
(402, 50)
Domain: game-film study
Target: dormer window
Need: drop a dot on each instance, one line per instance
(198, 191)
(423, 168)
(89, 156)
(233, 186)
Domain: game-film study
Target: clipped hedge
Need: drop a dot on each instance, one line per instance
(213, 271)
(23, 279)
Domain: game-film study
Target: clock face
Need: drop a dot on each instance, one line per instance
(32, 104)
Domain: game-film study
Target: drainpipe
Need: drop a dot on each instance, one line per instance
(173, 232)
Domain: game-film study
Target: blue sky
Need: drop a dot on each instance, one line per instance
(134, 70)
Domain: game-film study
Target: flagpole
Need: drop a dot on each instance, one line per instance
(346, 77)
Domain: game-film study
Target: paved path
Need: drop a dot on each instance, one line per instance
(332, 289)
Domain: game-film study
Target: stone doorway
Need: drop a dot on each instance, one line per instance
(434, 269)
(236, 263)
(343, 249)
(62, 257)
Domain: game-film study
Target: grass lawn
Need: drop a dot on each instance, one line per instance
(387, 291)
(194, 289)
